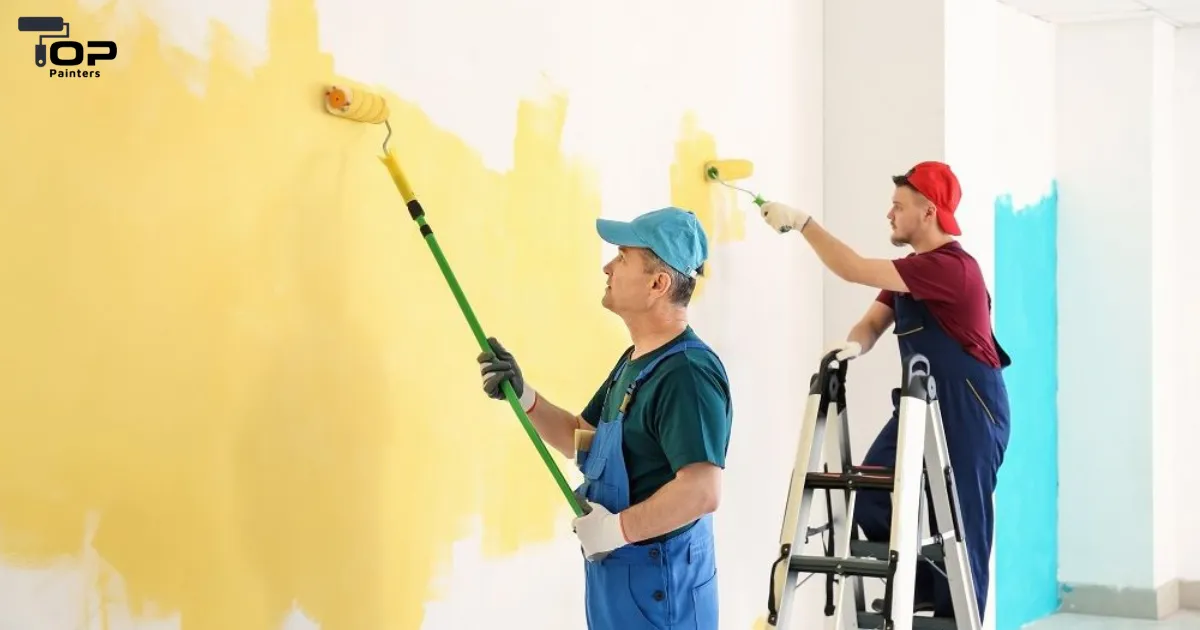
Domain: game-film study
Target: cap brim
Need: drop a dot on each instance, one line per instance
(619, 233)
(949, 223)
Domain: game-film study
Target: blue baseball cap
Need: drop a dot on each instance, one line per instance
(674, 234)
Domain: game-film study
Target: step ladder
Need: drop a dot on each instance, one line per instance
(848, 559)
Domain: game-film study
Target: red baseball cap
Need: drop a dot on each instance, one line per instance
(938, 183)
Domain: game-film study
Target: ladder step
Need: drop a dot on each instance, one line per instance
(857, 479)
(879, 550)
(874, 621)
(921, 476)
(865, 567)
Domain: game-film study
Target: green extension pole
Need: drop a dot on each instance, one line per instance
(418, 215)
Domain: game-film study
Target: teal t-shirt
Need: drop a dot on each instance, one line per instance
(681, 415)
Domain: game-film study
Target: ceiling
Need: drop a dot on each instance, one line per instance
(1177, 12)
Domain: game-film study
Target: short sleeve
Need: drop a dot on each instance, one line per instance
(936, 276)
(887, 298)
(591, 413)
(693, 419)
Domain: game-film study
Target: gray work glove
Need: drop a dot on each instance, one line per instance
(499, 365)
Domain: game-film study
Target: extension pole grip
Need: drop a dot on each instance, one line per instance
(418, 214)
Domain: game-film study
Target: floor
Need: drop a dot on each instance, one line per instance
(1181, 621)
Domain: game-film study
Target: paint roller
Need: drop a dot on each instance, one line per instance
(725, 171)
(366, 107)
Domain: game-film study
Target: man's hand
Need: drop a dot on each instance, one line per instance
(599, 531)
(783, 218)
(499, 365)
(845, 350)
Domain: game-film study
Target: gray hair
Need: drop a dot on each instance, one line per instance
(682, 285)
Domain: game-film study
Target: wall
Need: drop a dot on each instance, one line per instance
(241, 388)
(866, 142)
(1183, 335)
(1104, 170)
(1025, 315)
(1123, 399)
(1167, 404)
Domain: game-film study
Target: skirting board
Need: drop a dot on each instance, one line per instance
(1131, 603)
(1189, 595)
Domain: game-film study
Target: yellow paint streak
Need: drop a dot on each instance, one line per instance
(226, 336)
(715, 205)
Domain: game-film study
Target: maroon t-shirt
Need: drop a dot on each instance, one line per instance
(950, 283)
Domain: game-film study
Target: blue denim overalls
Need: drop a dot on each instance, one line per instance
(975, 413)
(669, 585)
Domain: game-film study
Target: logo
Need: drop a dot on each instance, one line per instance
(65, 54)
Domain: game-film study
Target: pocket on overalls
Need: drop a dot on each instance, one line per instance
(706, 603)
(702, 566)
(979, 399)
(649, 601)
(595, 487)
(910, 331)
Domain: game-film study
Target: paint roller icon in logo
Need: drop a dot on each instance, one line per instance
(76, 52)
(43, 25)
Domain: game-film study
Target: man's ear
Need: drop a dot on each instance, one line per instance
(662, 282)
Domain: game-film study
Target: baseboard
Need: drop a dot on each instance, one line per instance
(1189, 594)
(1130, 603)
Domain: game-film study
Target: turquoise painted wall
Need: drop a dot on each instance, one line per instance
(1027, 492)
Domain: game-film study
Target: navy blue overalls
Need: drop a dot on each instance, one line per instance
(974, 406)
(671, 584)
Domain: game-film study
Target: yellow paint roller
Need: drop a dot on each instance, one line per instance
(725, 171)
(365, 107)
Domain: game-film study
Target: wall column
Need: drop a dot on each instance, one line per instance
(1116, 396)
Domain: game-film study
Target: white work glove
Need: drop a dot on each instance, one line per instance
(845, 350)
(782, 217)
(599, 531)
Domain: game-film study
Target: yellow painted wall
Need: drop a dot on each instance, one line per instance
(224, 335)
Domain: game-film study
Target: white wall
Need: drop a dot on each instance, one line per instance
(1104, 166)
(1024, 107)
(1168, 403)
(897, 52)
(1182, 336)
(973, 35)
(1124, 168)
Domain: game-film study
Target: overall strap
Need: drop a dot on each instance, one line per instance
(1005, 360)
(650, 367)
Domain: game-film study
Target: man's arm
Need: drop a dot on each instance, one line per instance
(872, 325)
(691, 420)
(556, 425)
(694, 492)
(849, 265)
